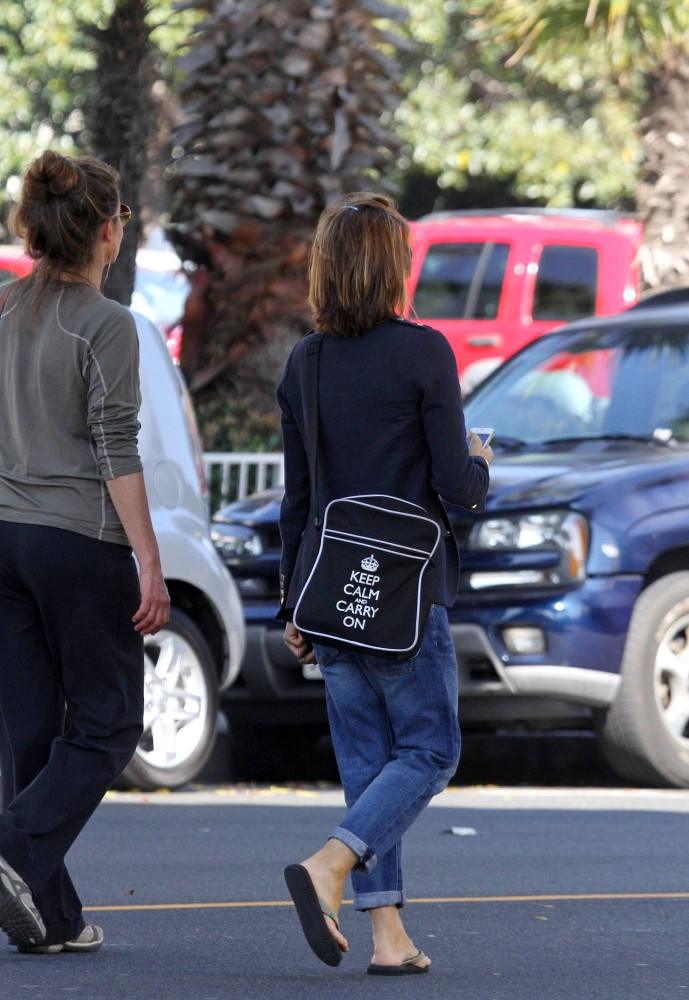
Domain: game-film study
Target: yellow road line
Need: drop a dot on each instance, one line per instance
(554, 897)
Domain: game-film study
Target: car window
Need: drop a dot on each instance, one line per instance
(461, 281)
(613, 382)
(487, 287)
(566, 283)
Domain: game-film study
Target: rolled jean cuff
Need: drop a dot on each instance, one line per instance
(367, 860)
(370, 900)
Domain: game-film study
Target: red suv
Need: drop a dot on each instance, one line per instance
(492, 282)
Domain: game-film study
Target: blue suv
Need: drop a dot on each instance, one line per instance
(573, 607)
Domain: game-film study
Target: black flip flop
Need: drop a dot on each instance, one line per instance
(407, 968)
(310, 910)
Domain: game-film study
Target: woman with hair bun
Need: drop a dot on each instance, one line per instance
(73, 513)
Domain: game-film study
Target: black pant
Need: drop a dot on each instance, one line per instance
(66, 641)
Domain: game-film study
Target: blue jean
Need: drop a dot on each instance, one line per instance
(396, 737)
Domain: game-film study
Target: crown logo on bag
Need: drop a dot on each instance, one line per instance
(370, 563)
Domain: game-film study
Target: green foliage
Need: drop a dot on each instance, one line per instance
(561, 134)
(561, 129)
(229, 421)
(44, 62)
(628, 31)
(40, 93)
(637, 39)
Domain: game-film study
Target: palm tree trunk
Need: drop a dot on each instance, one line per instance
(120, 120)
(283, 113)
(664, 187)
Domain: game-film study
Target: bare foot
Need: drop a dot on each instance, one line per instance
(329, 889)
(388, 958)
(391, 943)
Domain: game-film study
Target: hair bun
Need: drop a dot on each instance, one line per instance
(55, 176)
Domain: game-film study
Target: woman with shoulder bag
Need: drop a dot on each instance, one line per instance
(390, 423)
(73, 610)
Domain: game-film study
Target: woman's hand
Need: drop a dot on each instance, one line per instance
(476, 447)
(129, 497)
(295, 642)
(154, 610)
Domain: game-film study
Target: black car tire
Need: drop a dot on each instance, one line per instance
(645, 733)
(180, 708)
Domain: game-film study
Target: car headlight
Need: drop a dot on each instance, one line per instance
(235, 542)
(545, 549)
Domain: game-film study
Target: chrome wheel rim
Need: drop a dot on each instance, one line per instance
(175, 701)
(671, 680)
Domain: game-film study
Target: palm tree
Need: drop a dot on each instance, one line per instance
(283, 106)
(636, 37)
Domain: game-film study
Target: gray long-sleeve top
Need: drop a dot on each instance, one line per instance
(69, 403)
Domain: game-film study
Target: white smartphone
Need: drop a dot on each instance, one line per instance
(485, 433)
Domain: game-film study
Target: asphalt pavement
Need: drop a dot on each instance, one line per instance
(515, 893)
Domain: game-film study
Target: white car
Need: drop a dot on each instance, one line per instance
(199, 652)
(160, 291)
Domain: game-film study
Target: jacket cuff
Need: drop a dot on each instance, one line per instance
(284, 614)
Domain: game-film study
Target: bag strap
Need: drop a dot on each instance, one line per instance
(313, 349)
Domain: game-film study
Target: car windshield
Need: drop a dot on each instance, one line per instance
(629, 380)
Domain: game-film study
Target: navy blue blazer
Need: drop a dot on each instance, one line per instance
(391, 422)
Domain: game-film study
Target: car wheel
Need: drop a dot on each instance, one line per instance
(180, 708)
(645, 733)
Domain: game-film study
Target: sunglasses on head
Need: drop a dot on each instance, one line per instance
(124, 214)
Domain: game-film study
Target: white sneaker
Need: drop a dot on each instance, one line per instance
(90, 939)
(19, 917)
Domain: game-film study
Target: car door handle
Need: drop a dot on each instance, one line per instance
(485, 341)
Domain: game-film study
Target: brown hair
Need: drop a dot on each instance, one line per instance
(359, 262)
(63, 201)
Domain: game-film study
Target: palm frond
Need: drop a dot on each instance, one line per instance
(549, 28)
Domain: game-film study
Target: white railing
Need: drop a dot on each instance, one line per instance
(233, 475)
